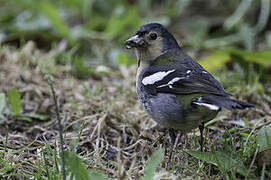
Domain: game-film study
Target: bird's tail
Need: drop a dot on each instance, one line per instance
(236, 104)
(226, 102)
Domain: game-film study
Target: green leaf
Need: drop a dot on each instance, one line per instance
(263, 139)
(223, 160)
(263, 58)
(220, 118)
(2, 101)
(30, 21)
(268, 39)
(14, 99)
(124, 59)
(121, 23)
(97, 176)
(52, 13)
(237, 16)
(77, 168)
(219, 58)
(6, 167)
(216, 60)
(152, 164)
(41, 117)
(204, 156)
(81, 70)
(20, 117)
(247, 36)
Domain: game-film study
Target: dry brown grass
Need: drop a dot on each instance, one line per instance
(102, 120)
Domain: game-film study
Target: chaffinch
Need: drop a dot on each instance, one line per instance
(176, 91)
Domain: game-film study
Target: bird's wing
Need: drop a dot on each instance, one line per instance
(183, 76)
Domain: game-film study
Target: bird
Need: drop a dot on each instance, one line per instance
(174, 89)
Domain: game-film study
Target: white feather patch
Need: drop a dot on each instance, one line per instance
(156, 77)
(171, 82)
(210, 106)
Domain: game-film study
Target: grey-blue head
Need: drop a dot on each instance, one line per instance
(152, 38)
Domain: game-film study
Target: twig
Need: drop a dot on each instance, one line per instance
(252, 162)
(6, 143)
(49, 80)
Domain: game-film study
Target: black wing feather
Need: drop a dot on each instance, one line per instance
(198, 80)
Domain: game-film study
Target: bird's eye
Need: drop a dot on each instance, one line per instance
(153, 36)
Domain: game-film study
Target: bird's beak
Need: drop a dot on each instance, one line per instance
(135, 41)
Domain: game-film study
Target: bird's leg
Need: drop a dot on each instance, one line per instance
(177, 139)
(174, 139)
(172, 136)
(201, 128)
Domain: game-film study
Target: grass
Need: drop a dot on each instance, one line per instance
(104, 125)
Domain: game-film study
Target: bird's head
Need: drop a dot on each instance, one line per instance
(150, 41)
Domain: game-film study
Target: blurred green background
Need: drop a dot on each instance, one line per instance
(88, 33)
(81, 44)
